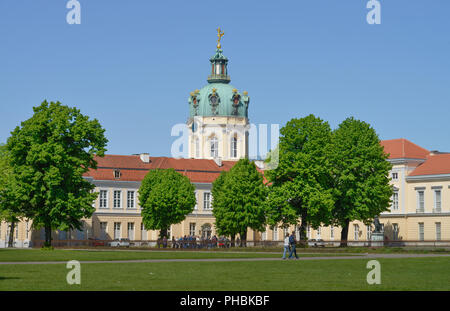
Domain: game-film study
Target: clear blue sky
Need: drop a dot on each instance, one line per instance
(132, 64)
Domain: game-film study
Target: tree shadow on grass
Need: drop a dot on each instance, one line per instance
(2, 278)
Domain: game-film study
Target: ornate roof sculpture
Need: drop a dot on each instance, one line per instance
(218, 97)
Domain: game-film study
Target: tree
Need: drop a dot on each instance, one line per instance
(300, 184)
(9, 204)
(166, 197)
(239, 200)
(360, 176)
(49, 153)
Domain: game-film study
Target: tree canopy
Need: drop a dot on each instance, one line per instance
(49, 154)
(360, 174)
(300, 184)
(239, 200)
(166, 197)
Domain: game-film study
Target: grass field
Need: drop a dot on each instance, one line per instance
(336, 274)
(21, 255)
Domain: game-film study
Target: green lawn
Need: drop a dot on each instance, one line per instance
(338, 274)
(15, 255)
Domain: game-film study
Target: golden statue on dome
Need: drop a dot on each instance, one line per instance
(220, 34)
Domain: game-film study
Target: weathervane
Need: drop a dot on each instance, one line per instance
(220, 35)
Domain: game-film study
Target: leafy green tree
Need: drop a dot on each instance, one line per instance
(166, 197)
(223, 224)
(49, 153)
(9, 204)
(239, 200)
(300, 184)
(361, 175)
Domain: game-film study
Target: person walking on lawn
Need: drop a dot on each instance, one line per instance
(292, 243)
(286, 245)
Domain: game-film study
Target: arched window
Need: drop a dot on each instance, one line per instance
(214, 147)
(234, 147)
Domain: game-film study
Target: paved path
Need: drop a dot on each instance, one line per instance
(363, 256)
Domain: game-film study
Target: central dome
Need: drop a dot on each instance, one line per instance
(218, 97)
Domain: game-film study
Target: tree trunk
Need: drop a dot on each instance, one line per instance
(233, 239)
(244, 239)
(11, 234)
(303, 226)
(48, 235)
(344, 233)
(163, 233)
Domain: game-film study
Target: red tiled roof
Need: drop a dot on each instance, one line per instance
(403, 148)
(133, 169)
(434, 165)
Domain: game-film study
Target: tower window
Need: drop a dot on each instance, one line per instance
(234, 147)
(214, 147)
(197, 147)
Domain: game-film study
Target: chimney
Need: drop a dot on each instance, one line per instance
(260, 164)
(218, 161)
(145, 157)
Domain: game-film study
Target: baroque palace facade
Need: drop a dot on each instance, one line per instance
(218, 136)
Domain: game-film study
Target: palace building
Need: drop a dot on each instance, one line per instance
(218, 136)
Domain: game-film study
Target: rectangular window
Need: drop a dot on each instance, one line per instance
(332, 233)
(26, 230)
(395, 201)
(117, 230)
(308, 232)
(234, 147)
(264, 235)
(117, 199)
(421, 231)
(131, 230)
(420, 201)
(169, 232)
(207, 201)
(369, 232)
(319, 233)
(103, 230)
(438, 231)
(275, 234)
(103, 197)
(356, 228)
(130, 199)
(192, 229)
(143, 232)
(197, 148)
(394, 176)
(395, 233)
(437, 201)
(196, 200)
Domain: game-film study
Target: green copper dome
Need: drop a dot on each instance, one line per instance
(218, 97)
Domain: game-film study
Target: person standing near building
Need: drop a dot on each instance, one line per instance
(292, 243)
(286, 245)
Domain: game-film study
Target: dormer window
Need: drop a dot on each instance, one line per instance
(117, 174)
